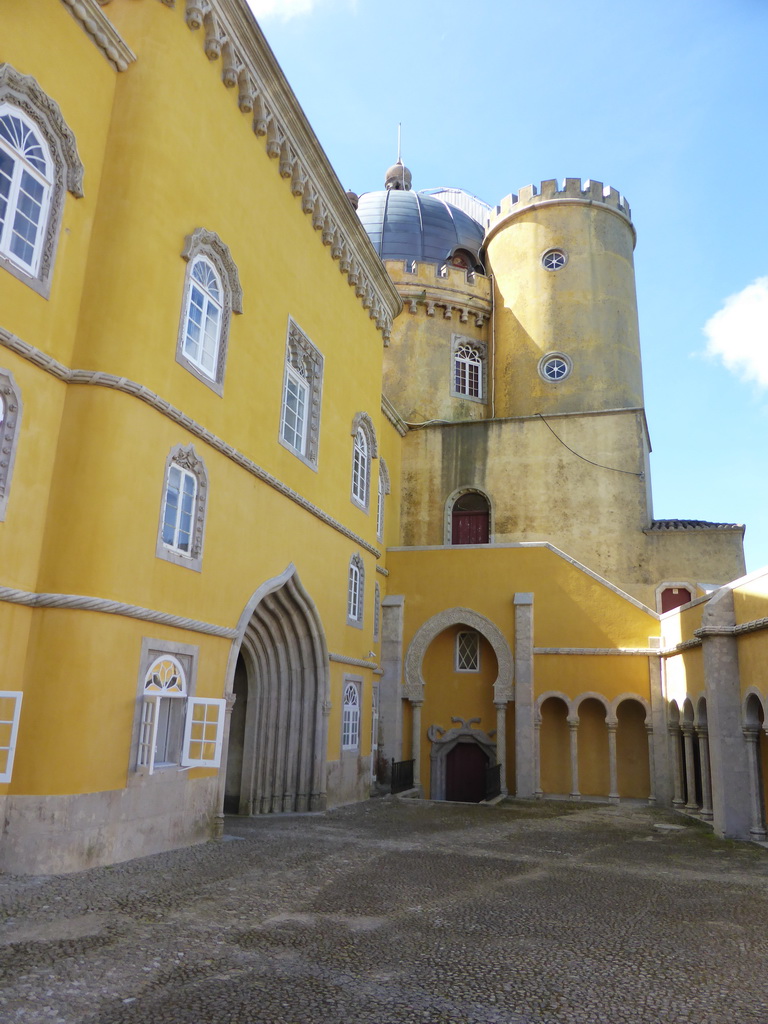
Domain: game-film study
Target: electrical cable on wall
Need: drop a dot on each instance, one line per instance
(599, 465)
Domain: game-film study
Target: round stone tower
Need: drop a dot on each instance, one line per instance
(566, 332)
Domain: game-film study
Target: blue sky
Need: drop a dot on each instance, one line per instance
(666, 101)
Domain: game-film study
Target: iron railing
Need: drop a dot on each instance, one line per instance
(402, 776)
(492, 781)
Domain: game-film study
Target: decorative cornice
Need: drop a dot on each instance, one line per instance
(130, 387)
(342, 659)
(103, 33)
(380, 569)
(80, 602)
(393, 416)
(230, 33)
(597, 651)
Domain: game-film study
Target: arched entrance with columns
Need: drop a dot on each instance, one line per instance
(279, 678)
(452, 630)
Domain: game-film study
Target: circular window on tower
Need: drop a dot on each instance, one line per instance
(555, 366)
(554, 259)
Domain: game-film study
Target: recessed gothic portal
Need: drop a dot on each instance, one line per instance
(277, 746)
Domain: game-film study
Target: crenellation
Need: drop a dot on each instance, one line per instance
(570, 189)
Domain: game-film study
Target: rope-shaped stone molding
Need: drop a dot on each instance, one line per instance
(253, 99)
(356, 662)
(130, 387)
(100, 604)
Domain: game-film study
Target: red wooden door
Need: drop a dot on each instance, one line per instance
(465, 773)
(470, 527)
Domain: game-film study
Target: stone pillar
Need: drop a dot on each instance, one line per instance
(524, 709)
(732, 808)
(662, 765)
(390, 686)
(757, 829)
(690, 768)
(538, 792)
(651, 769)
(677, 765)
(706, 776)
(218, 821)
(573, 725)
(501, 742)
(416, 742)
(613, 794)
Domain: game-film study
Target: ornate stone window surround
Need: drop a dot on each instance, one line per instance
(364, 449)
(304, 372)
(207, 246)
(152, 649)
(24, 94)
(355, 591)
(459, 344)
(384, 489)
(451, 501)
(376, 611)
(185, 457)
(10, 418)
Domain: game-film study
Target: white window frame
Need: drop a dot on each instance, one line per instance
(350, 714)
(9, 749)
(186, 461)
(213, 715)
(475, 667)
(461, 388)
(355, 591)
(205, 248)
(205, 296)
(10, 422)
(24, 170)
(22, 96)
(303, 374)
(364, 450)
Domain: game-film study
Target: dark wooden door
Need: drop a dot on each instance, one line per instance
(470, 527)
(465, 773)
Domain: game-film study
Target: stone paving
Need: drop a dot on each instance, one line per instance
(396, 912)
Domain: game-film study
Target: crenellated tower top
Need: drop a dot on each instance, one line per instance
(570, 190)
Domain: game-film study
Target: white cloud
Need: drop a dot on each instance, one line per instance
(738, 333)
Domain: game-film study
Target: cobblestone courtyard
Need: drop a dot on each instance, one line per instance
(393, 912)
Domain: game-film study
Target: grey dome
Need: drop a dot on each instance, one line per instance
(414, 226)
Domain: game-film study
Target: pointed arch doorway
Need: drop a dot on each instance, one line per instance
(278, 732)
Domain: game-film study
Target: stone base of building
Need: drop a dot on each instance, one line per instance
(60, 834)
(349, 779)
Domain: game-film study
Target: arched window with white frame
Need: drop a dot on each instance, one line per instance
(26, 179)
(212, 293)
(182, 516)
(39, 164)
(469, 368)
(364, 449)
(350, 727)
(355, 591)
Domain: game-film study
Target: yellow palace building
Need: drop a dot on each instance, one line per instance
(295, 484)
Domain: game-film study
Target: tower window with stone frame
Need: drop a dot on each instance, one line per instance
(302, 389)
(468, 368)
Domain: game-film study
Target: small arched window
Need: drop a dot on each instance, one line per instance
(355, 591)
(350, 729)
(470, 519)
(182, 515)
(26, 179)
(360, 468)
(203, 317)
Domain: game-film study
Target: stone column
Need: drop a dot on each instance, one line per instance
(757, 829)
(731, 775)
(538, 792)
(573, 725)
(651, 771)
(390, 687)
(706, 777)
(613, 794)
(218, 821)
(677, 765)
(501, 742)
(416, 742)
(524, 709)
(661, 765)
(690, 768)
